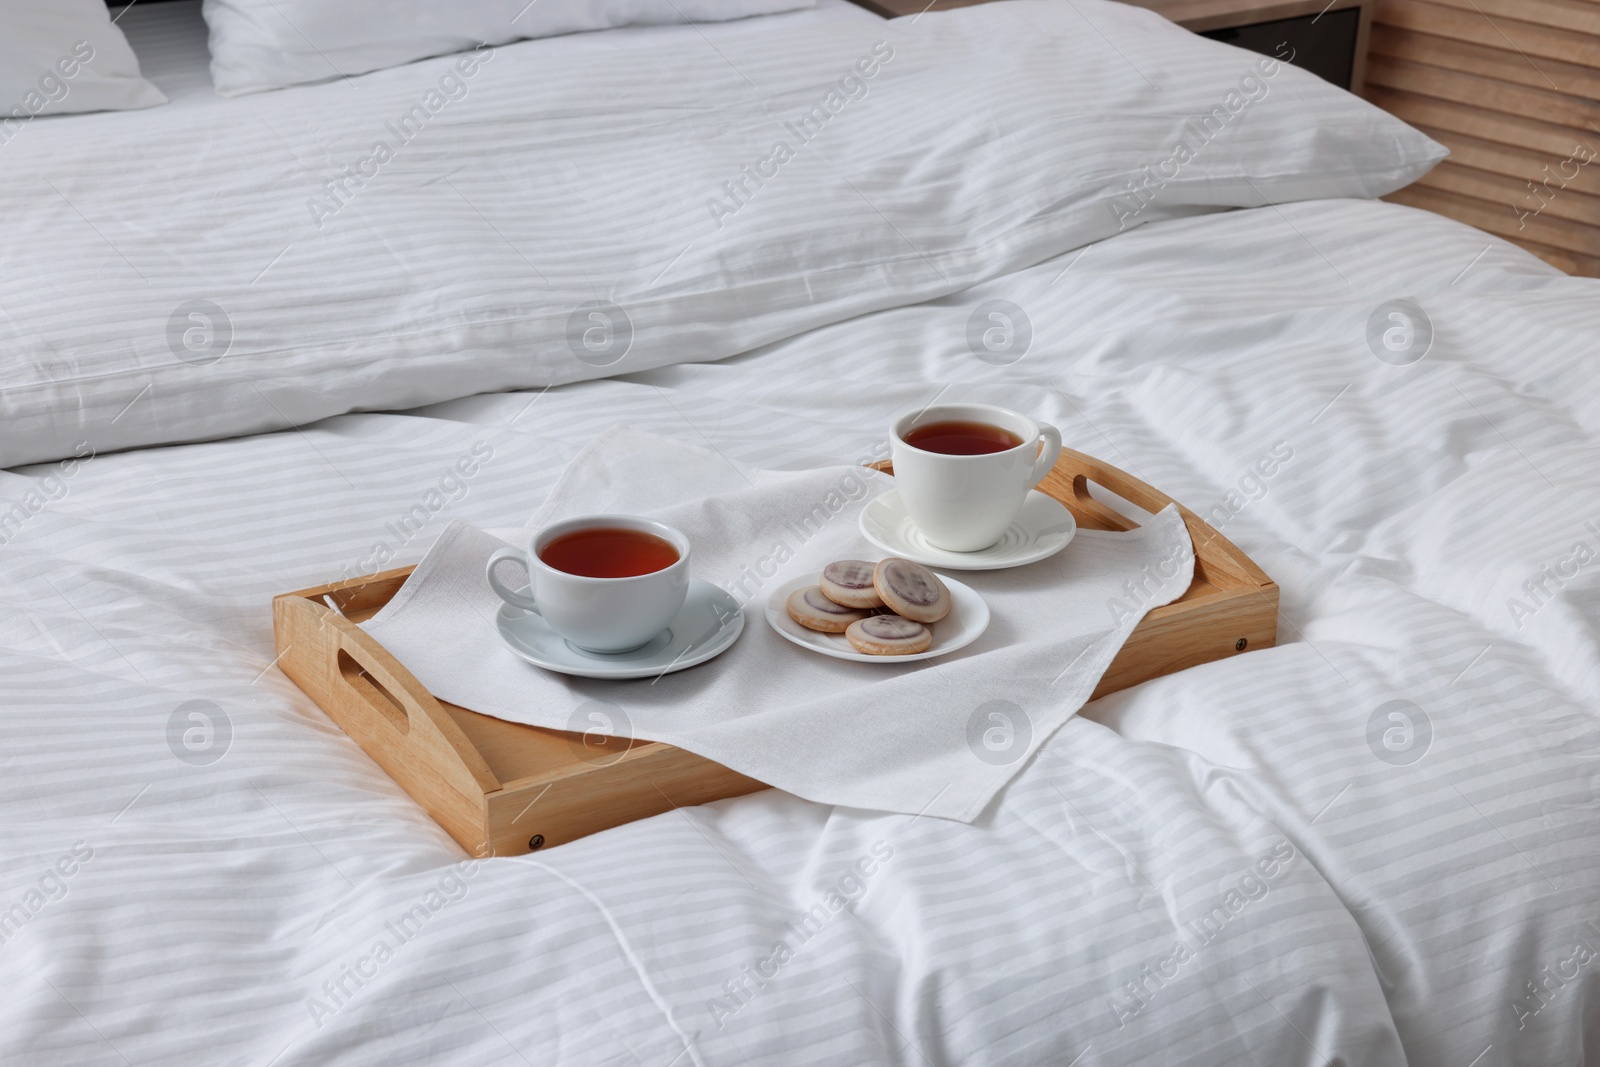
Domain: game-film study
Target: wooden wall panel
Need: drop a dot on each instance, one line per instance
(1512, 88)
(1531, 38)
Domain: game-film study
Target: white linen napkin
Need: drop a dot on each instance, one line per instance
(939, 737)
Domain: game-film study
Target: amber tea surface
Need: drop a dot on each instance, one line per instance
(960, 438)
(609, 552)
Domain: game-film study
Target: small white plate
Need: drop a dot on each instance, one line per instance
(968, 618)
(708, 625)
(1042, 528)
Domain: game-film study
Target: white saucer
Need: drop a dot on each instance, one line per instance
(708, 625)
(1042, 528)
(968, 618)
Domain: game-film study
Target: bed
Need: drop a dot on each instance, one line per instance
(1373, 844)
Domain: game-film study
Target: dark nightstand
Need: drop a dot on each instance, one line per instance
(1326, 38)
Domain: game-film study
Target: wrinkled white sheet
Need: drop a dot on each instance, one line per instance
(1249, 862)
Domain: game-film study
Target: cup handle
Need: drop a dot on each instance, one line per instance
(1049, 452)
(510, 596)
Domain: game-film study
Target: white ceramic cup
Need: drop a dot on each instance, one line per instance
(965, 503)
(604, 615)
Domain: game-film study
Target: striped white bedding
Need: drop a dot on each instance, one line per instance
(549, 211)
(1372, 845)
(1249, 862)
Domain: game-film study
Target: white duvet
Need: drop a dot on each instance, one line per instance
(1250, 862)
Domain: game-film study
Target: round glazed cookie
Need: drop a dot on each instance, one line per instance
(910, 589)
(889, 635)
(849, 582)
(811, 609)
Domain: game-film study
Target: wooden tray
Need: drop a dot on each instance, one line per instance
(500, 788)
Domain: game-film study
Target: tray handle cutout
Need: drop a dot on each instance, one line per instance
(394, 711)
(374, 693)
(1217, 560)
(383, 707)
(1116, 481)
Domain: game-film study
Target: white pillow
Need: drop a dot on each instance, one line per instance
(268, 44)
(61, 57)
(528, 216)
